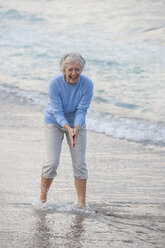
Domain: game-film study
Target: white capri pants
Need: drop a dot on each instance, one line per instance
(53, 137)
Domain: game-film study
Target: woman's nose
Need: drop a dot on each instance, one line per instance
(74, 72)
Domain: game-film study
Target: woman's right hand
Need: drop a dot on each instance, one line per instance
(71, 134)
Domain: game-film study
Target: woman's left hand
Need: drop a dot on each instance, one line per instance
(75, 133)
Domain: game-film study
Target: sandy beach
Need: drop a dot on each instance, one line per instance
(125, 189)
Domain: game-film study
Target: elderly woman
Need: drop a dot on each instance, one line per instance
(70, 94)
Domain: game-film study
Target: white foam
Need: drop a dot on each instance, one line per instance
(126, 128)
(115, 126)
(30, 96)
(61, 207)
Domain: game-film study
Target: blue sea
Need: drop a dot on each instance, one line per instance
(123, 43)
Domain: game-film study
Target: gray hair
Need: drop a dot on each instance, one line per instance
(69, 58)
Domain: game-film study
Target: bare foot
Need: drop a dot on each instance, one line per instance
(81, 206)
(43, 197)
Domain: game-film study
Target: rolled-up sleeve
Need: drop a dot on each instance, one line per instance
(83, 105)
(56, 104)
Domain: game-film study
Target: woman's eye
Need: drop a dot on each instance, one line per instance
(77, 69)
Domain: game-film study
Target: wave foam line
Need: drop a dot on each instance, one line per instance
(115, 126)
(126, 128)
(30, 96)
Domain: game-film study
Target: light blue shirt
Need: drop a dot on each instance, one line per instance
(68, 102)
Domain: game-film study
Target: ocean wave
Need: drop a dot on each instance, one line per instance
(126, 128)
(137, 130)
(13, 14)
(16, 94)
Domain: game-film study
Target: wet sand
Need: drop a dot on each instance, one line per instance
(125, 189)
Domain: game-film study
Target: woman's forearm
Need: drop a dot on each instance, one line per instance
(67, 127)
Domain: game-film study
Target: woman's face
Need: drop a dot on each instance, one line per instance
(72, 72)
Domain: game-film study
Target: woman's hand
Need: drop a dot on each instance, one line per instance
(70, 132)
(73, 132)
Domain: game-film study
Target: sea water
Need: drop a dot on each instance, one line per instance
(123, 43)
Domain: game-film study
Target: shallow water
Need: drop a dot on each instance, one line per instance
(123, 43)
(111, 225)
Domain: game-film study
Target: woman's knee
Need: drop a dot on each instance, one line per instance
(49, 170)
(80, 171)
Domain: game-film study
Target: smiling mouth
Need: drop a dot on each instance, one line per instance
(73, 78)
